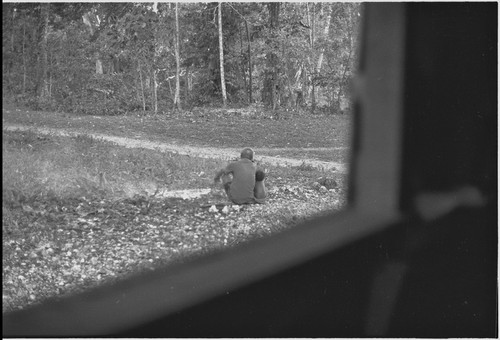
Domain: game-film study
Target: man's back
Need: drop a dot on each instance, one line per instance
(242, 186)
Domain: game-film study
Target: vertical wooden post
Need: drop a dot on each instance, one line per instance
(381, 70)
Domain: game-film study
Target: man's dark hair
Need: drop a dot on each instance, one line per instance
(247, 153)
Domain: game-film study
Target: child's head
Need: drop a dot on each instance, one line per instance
(260, 175)
(247, 153)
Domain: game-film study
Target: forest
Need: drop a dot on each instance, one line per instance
(154, 58)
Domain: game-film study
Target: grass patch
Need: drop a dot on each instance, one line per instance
(205, 127)
(36, 167)
(44, 166)
(340, 155)
(67, 229)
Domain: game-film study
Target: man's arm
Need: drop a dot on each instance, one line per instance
(218, 175)
(222, 172)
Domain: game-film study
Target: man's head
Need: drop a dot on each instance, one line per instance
(247, 153)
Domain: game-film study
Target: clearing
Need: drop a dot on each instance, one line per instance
(194, 151)
(54, 245)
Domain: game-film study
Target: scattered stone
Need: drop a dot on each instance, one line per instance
(328, 183)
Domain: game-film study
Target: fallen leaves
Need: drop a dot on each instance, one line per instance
(64, 247)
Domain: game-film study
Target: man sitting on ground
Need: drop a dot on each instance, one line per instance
(240, 188)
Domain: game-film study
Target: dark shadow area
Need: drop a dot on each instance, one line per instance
(448, 289)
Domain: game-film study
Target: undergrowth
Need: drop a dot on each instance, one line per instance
(36, 167)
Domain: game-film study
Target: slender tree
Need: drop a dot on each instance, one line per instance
(154, 70)
(269, 94)
(143, 96)
(325, 34)
(177, 98)
(320, 59)
(13, 25)
(221, 59)
(250, 100)
(23, 51)
(90, 24)
(154, 89)
(351, 22)
(43, 80)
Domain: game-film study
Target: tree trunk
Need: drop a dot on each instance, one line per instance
(10, 62)
(325, 35)
(142, 86)
(186, 85)
(250, 85)
(313, 75)
(311, 31)
(155, 91)
(346, 69)
(315, 94)
(98, 64)
(242, 56)
(274, 25)
(190, 82)
(269, 94)
(50, 77)
(117, 66)
(151, 87)
(221, 59)
(12, 32)
(172, 94)
(43, 80)
(177, 98)
(24, 54)
(343, 79)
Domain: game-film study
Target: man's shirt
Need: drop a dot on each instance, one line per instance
(242, 186)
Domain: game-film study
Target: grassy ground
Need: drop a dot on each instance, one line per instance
(78, 212)
(290, 134)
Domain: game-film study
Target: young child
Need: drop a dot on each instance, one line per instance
(259, 191)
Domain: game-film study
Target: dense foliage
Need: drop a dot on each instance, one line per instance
(115, 58)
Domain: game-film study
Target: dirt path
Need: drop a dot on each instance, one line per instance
(195, 151)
